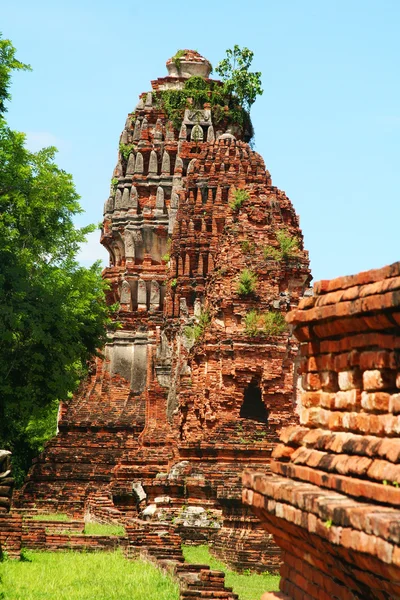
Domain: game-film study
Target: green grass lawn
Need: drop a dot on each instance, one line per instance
(103, 529)
(249, 587)
(90, 528)
(83, 576)
(51, 517)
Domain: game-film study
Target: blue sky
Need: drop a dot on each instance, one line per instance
(328, 124)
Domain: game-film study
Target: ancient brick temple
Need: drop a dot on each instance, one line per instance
(10, 524)
(195, 383)
(333, 499)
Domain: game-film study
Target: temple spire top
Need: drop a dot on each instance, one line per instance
(188, 63)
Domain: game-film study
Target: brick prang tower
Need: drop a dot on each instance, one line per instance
(193, 386)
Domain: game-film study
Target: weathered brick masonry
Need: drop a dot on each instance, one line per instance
(333, 500)
(164, 406)
(10, 525)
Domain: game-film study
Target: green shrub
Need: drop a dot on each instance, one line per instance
(274, 323)
(251, 322)
(288, 247)
(269, 323)
(248, 247)
(176, 59)
(125, 150)
(188, 332)
(288, 244)
(167, 256)
(236, 77)
(196, 83)
(271, 252)
(204, 321)
(174, 102)
(174, 283)
(239, 196)
(247, 283)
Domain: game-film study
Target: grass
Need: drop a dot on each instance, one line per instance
(83, 576)
(52, 517)
(90, 528)
(103, 529)
(248, 586)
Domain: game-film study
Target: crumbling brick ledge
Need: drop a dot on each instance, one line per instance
(332, 502)
(10, 535)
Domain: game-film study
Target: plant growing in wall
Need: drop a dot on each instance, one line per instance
(238, 81)
(288, 244)
(274, 323)
(176, 59)
(125, 150)
(270, 252)
(195, 332)
(247, 283)
(268, 323)
(239, 196)
(248, 247)
(167, 256)
(204, 321)
(230, 101)
(288, 247)
(251, 322)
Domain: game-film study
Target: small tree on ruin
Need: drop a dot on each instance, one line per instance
(238, 80)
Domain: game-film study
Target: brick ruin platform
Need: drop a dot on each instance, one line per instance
(333, 499)
(184, 398)
(155, 542)
(10, 524)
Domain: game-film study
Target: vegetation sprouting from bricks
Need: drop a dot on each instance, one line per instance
(185, 224)
(230, 100)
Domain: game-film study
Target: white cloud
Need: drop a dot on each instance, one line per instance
(36, 140)
(92, 250)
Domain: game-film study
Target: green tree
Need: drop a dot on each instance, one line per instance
(52, 311)
(8, 63)
(238, 80)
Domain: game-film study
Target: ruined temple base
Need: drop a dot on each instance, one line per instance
(11, 535)
(242, 543)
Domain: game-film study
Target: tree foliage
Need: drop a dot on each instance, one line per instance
(52, 311)
(238, 80)
(8, 63)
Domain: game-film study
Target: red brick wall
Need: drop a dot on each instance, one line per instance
(333, 500)
(11, 534)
